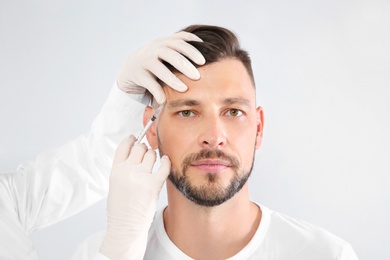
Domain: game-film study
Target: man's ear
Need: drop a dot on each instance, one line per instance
(260, 126)
(151, 134)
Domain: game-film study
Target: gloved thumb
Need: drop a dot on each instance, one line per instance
(163, 171)
(123, 149)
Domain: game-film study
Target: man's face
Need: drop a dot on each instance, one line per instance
(210, 132)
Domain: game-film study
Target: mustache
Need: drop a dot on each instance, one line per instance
(210, 154)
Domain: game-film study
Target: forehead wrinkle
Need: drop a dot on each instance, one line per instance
(182, 102)
(236, 100)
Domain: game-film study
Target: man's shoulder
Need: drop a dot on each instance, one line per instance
(288, 233)
(281, 223)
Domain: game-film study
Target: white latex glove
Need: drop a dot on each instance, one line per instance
(142, 68)
(132, 199)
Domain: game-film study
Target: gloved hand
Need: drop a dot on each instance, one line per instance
(142, 68)
(132, 199)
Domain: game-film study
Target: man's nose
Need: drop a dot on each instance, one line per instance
(213, 133)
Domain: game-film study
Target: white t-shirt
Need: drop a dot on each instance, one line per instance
(278, 237)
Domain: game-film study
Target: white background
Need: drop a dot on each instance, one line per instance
(323, 76)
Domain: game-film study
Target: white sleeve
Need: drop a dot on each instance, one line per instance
(348, 253)
(62, 182)
(89, 249)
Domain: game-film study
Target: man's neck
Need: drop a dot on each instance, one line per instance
(211, 232)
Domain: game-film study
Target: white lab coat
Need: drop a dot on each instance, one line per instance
(64, 181)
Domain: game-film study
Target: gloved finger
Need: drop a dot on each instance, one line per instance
(150, 83)
(187, 50)
(187, 36)
(165, 168)
(123, 149)
(149, 160)
(181, 63)
(137, 154)
(164, 74)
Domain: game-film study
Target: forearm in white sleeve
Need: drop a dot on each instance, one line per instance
(348, 253)
(62, 182)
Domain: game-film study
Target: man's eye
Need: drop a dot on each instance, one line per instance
(234, 112)
(186, 113)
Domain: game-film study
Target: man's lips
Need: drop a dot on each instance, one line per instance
(211, 165)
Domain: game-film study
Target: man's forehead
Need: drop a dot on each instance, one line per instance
(229, 68)
(226, 80)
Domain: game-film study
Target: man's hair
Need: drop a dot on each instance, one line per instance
(219, 43)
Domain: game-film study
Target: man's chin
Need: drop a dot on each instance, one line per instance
(209, 192)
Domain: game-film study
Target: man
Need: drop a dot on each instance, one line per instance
(207, 137)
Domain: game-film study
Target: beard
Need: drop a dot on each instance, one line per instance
(212, 193)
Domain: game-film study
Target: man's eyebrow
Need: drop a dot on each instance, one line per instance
(236, 100)
(183, 103)
(192, 103)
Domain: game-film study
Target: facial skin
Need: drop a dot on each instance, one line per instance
(210, 132)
